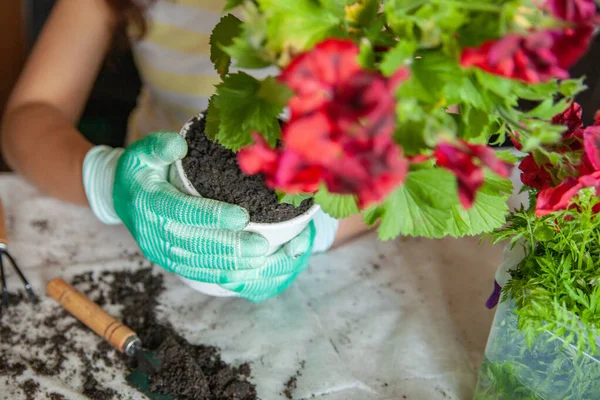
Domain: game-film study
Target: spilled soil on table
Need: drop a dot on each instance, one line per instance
(50, 344)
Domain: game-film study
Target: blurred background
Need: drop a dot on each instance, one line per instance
(115, 91)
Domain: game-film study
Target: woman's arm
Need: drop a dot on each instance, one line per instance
(39, 138)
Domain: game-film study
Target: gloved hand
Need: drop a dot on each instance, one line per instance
(197, 238)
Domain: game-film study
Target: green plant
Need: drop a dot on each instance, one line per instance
(369, 84)
(556, 287)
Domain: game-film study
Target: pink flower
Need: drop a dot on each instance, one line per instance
(531, 59)
(460, 160)
(573, 10)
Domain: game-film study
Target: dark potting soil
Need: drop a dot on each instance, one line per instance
(214, 172)
(188, 371)
(292, 383)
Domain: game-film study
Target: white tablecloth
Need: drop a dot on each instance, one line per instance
(415, 327)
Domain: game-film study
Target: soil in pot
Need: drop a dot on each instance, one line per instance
(214, 172)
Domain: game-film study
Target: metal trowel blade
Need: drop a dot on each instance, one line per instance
(140, 378)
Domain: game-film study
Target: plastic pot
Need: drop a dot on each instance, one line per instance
(549, 369)
(277, 234)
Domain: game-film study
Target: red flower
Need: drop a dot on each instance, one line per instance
(556, 198)
(571, 44)
(571, 118)
(572, 10)
(370, 169)
(314, 75)
(560, 197)
(591, 140)
(460, 159)
(341, 127)
(533, 175)
(531, 59)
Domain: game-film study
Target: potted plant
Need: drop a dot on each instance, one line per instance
(544, 339)
(371, 89)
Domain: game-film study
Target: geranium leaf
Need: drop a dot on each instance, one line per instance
(222, 35)
(231, 4)
(296, 25)
(430, 207)
(246, 48)
(399, 56)
(244, 109)
(336, 205)
(293, 199)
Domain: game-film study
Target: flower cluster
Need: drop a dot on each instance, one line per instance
(541, 55)
(580, 151)
(368, 86)
(341, 128)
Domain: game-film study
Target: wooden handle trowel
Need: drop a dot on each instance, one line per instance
(112, 330)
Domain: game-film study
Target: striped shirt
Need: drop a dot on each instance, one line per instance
(173, 60)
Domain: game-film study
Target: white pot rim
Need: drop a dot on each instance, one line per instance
(254, 226)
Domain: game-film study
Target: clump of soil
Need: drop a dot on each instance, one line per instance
(30, 388)
(50, 339)
(215, 173)
(41, 225)
(292, 383)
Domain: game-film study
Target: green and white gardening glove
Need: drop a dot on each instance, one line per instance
(197, 238)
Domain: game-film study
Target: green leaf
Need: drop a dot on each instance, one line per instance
(213, 118)
(429, 207)
(401, 55)
(487, 213)
(433, 72)
(572, 87)
(247, 48)
(508, 156)
(274, 92)
(501, 86)
(293, 199)
(476, 124)
(419, 207)
(548, 109)
(296, 25)
(366, 57)
(222, 35)
(362, 12)
(247, 105)
(337, 205)
(231, 4)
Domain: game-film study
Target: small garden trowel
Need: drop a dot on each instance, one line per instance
(114, 332)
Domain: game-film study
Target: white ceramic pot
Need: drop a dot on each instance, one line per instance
(277, 233)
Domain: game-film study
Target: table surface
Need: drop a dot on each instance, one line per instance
(416, 326)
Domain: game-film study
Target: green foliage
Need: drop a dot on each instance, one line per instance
(336, 205)
(243, 105)
(222, 35)
(296, 25)
(247, 47)
(231, 4)
(427, 205)
(556, 287)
